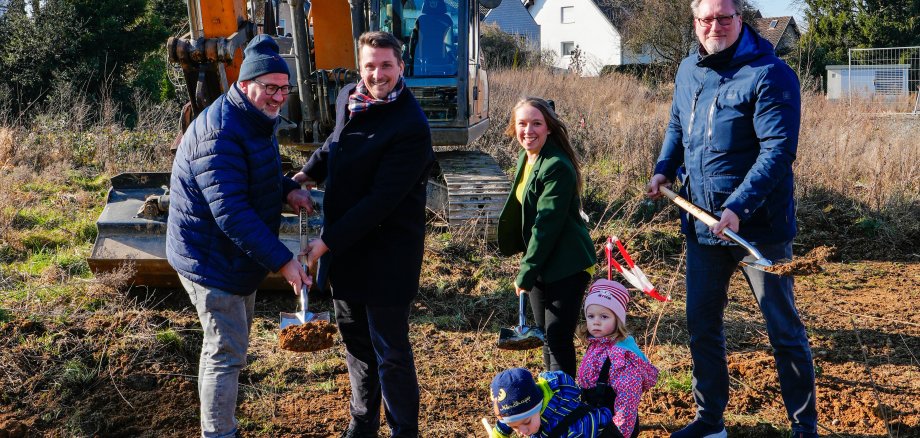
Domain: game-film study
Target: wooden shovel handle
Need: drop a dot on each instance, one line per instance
(691, 208)
(487, 426)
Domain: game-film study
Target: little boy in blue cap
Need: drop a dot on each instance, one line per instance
(549, 407)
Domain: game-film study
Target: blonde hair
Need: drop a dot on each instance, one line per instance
(619, 331)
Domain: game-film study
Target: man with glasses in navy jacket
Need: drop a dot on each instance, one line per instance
(732, 139)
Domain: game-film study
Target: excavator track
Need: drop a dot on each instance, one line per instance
(467, 192)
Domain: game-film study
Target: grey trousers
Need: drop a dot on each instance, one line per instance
(225, 320)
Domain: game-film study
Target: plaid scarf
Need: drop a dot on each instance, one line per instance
(361, 99)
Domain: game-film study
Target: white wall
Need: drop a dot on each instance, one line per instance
(594, 35)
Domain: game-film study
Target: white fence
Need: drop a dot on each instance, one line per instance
(884, 79)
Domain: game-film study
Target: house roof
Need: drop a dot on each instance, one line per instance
(618, 12)
(775, 32)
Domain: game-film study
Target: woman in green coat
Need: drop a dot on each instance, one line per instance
(542, 218)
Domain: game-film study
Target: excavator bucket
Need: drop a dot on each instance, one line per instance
(132, 230)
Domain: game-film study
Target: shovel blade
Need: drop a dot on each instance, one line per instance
(520, 338)
(764, 265)
(297, 318)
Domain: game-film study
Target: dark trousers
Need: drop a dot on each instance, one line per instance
(556, 309)
(380, 363)
(709, 269)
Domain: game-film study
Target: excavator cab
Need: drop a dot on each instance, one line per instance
(440, 40)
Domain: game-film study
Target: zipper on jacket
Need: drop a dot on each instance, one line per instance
(712, 110)
(696, 97)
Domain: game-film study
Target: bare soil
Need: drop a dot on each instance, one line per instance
(811, 263)
(862, 318)
(312, 336)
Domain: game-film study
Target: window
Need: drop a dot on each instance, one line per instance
(890, 82)
(429, 31)
(773, 24)
(568, 14)
(567, 48)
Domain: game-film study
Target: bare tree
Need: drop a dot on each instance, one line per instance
(664, 28)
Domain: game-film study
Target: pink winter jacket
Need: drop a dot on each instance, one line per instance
(630, 376)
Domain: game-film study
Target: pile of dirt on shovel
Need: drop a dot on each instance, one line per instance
(312, 336)
(526, 343)
(808, 264)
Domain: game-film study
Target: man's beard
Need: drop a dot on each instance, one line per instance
(270, 114)
(713, 47)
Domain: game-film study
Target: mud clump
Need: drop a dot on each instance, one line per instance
(810, 263)
(312, 336)
(517, 344)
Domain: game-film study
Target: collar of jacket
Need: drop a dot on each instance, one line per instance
(378, 107)
(550, 148)
(262, 123)
(749, 46)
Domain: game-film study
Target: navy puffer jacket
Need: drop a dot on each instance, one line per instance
(735, 129)
(226, 194)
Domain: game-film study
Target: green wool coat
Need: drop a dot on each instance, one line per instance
(548, 227)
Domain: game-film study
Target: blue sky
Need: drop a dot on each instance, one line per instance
(779, 8)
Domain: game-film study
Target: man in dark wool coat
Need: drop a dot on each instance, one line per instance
(375, 166)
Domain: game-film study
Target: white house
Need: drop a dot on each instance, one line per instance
(567, 24)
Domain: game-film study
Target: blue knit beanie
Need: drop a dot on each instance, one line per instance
(261, 57)
(516, 394)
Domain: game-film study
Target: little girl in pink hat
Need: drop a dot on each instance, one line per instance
(614, 372)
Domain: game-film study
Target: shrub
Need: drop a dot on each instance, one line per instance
(505, 51)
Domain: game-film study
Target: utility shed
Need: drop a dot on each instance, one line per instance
(867, 81)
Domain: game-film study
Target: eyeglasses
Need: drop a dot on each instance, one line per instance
(271, 89)
(724, 20)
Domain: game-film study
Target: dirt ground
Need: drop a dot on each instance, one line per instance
(862, 318)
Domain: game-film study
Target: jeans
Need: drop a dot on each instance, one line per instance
(380, 364)
(225, 320)
(556, 309)
(709, 269)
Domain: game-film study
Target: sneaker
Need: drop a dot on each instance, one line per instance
(801, 434)
(699, 429)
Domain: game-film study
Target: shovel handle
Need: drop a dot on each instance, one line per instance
(304, 225)
(521, 304)
(304, 291)
(691, 208)
(487, 426)
(304, 246)
(710, 220)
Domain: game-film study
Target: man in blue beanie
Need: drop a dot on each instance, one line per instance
(227, 190)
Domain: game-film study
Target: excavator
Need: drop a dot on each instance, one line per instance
(442, 69)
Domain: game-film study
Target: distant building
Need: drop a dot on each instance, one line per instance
(592, 26)
(782, 32)
(511, 17)
(885, 81)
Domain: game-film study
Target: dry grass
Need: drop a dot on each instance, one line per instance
(867, 167)
(69, 337)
